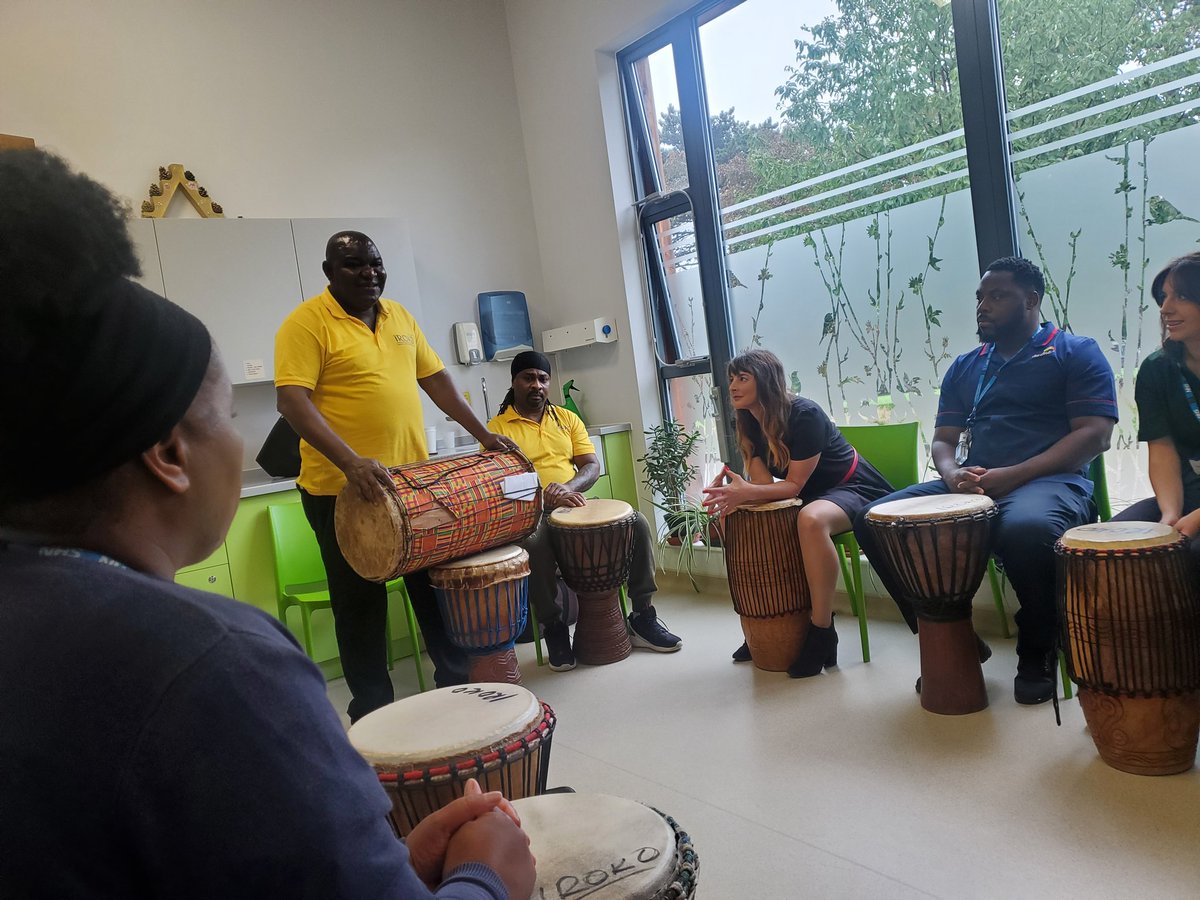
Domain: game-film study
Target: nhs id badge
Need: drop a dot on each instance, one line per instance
(963, 450)
(1194, 462)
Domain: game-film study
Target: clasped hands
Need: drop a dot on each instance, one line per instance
(977, 480)
(720, 499)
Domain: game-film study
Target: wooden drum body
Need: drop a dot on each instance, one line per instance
(1130, 612)
(593, 545)
(616, 849)
(441, 510)
(767, 581)
(938, 548)
(484, 600)
(425, 747)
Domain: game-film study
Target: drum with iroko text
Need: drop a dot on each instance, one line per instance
(608, 847)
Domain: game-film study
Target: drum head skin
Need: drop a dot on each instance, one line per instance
(1120, 536)
(597, 512)
(445, 724)
(597, 844)
(938, 506)
(769, 507)
(486, 558)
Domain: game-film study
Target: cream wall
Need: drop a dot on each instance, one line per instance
(402, 108)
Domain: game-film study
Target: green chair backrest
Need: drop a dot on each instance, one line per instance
(1099, 476)
(892, 449)
(297, 556)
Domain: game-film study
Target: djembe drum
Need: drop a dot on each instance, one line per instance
(613, 848)
(425, 747)
(484, 601)
(767, 581)
(593, 545)
(1130, 612)
(938, 548)
(441, 510)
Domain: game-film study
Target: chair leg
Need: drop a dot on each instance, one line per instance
(306, 627)
(1068, 692)
(624, 604)
(998, 595)
(414, 634)
(537, 636)
(387, 630)
(843, 553)
(856, 567)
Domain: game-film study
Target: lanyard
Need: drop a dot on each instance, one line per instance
(981, 389)
(1191, 397)
(67, 552)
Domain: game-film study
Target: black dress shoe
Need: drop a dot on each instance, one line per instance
(1035, 679)
(742, 653)
(819, 652)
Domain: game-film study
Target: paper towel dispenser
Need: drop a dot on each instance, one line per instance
(504, 322)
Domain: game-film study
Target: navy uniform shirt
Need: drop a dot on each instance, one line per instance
(1053, 379)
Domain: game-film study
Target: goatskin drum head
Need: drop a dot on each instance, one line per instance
(1119, 536)
(937, 506)
(597, 512)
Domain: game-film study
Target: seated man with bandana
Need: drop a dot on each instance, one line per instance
(158, 741)
(1019, 420)
(557, 443)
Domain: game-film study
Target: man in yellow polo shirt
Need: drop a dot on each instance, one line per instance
(347, 367)
(558, 445)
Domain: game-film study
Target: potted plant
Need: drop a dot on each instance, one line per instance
(669, 472)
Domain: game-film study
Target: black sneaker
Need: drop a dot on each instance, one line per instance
(650, 634)
(1035, 679)
(558, 647)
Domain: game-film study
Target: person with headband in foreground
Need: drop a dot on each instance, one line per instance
(157, 741)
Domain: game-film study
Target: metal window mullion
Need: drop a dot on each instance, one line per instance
(981, 86)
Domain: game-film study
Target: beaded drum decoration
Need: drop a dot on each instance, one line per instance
(1129, 608)
(441, 510)
(610, 847)
(425, 747)
(484, 600)
(767, 582)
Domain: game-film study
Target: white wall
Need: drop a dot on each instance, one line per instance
(289, 109)
(564, 63)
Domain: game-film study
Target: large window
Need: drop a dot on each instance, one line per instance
(842, 169)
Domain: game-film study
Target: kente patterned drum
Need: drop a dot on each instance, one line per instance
(484, 601)
(609, 847)
(1129, 608)
(441, 510)
(593, 545)
(425, 747)
(938, 548)
(767, 581)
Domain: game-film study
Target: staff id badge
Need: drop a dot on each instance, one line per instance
(963, 450)
(1194, 462)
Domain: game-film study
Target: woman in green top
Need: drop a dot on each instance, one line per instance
(1168, 385)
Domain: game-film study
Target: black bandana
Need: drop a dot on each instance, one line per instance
(530, 359)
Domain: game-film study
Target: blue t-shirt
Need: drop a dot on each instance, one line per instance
(1053, 379)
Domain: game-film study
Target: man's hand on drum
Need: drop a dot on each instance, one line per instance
(370, 476)
(965, 480)
(721, 499)
(493, 441)
(556, 495)
(435, 838)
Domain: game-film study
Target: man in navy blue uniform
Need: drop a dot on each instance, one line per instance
(1019, 420)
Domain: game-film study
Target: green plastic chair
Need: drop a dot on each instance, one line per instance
(892, 449)
(300, 579)
(1099, 476)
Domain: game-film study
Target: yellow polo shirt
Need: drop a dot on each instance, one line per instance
(364, 383)
(549, 444)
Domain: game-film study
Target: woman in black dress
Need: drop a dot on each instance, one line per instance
(1168, 384)
(791, 448)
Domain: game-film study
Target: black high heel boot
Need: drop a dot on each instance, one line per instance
(819, 652)
(742, 653)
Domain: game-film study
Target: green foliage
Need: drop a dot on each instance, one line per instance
(668, 465)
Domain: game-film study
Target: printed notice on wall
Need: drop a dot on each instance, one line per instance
(252, 369)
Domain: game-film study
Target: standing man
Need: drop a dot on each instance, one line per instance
(557, 443)
(347, 367)
(1019, 419)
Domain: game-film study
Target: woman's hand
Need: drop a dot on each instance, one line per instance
(1189, 524)
(722, 499)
